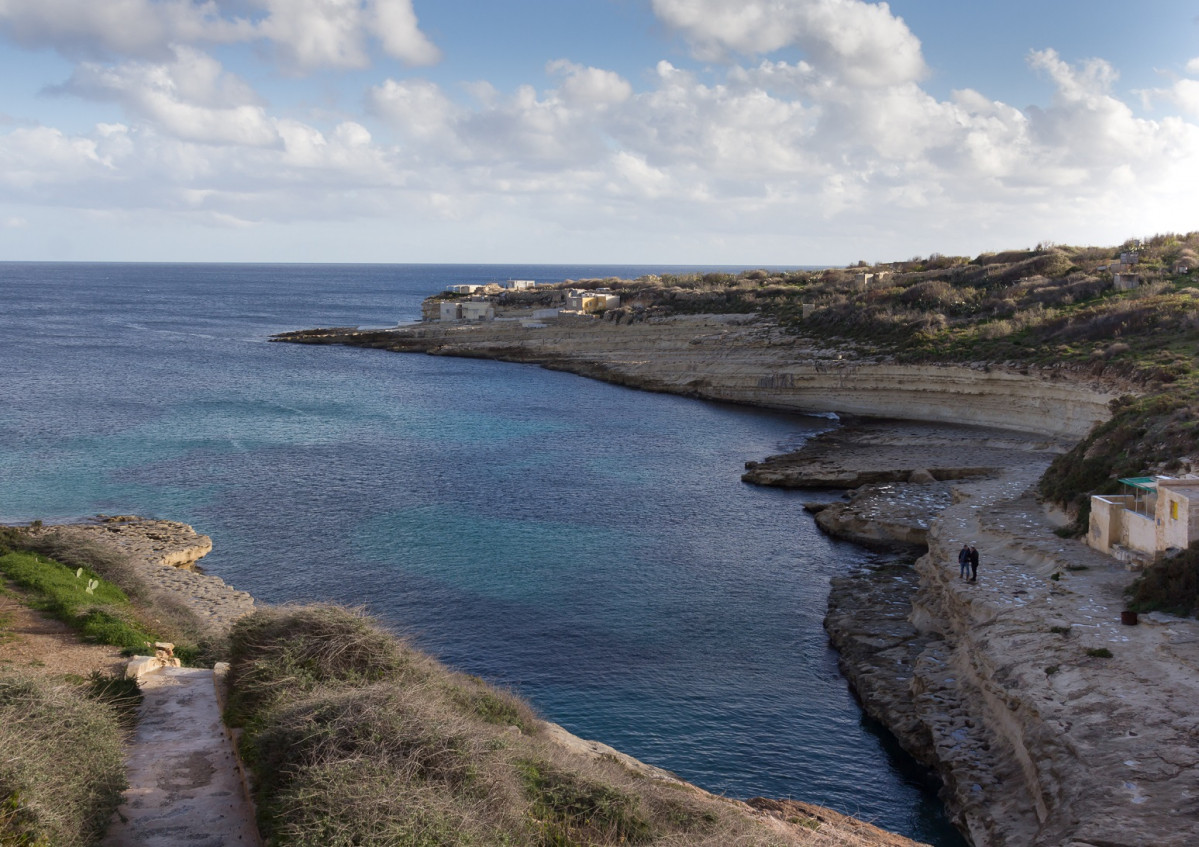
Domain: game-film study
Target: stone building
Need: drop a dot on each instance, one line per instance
(1153, 515)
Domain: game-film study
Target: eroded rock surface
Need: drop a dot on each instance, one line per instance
(1040, 739)
(745, 359)
(164, 554)
(886, 515)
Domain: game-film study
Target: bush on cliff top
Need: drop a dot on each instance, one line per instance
(1169, 585)
(356, 738)
(61, 767)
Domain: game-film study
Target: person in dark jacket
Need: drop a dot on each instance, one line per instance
(973, 563)
(964, 560)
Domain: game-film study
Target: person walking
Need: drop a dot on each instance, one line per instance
(973, 563)
(964, 560)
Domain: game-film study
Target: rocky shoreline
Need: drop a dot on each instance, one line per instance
(164, 555)
(1005, 686)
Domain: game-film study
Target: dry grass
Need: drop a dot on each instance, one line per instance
(61, 771)
(354, 738)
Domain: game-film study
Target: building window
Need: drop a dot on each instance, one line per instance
(1173, 510)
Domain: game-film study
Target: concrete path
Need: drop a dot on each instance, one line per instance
(184, 784)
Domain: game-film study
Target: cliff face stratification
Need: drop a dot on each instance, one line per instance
(740, 360)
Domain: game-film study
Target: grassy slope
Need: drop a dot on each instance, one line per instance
(61, 765)
(355, 738)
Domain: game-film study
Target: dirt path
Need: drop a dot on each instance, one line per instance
(33, 643)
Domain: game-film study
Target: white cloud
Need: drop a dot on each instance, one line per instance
(191, 98)
(317, 33)
(843, 140)
(1087, 129)
(394, 23)
(304, 34)
(36, 157)
(590, 86)
(1184, 93)
(97, 28)
(417, 107)
(860, 43)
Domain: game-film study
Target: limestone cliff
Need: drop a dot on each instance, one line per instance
(164, 555)
(740, 359)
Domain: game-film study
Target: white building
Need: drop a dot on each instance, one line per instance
(451, 310)
(464, 288)
(520, 285)
(1154, 514)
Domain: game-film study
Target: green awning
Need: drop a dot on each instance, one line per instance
(1147, 483)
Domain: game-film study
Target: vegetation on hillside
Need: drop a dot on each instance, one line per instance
(1169, 585)
(1053, 306)
(55, 571)
(356, 738)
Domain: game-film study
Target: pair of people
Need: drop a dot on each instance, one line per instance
(968, 562)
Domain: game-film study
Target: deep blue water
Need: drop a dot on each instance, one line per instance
(589, 546)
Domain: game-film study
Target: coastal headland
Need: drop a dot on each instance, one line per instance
(163, 556)
(1049, 721)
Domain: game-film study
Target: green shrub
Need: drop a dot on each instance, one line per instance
(1099, 653)
(291, 650)
(1169, 585)
(572, 810)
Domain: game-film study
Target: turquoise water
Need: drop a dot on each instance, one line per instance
(590, 546)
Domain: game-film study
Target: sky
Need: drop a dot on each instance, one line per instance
(720, 132)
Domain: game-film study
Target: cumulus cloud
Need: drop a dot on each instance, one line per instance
(860, 43)
(1183, 94)
(758, 148)
(136, 28)
(590, 86)
(394, 23)
(317, 33)
(34, 157)
(419, 109)
(1087, 126)
(304, 34)
(191, 98)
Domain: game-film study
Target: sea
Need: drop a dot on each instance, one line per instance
(588, 546)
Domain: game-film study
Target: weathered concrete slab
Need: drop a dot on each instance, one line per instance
(184, 785)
